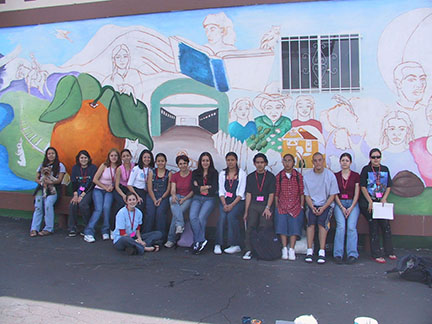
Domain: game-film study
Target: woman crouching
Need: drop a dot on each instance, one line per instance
(127, 236)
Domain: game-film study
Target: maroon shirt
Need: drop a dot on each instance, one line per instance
(183, 185)
(349, 185)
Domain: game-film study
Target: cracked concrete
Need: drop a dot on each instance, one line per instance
(57, 279)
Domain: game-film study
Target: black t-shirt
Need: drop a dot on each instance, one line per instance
(265, 185)
(82, 178)
(368, 179)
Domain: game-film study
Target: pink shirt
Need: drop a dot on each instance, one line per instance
(124, 175)
(107, 178)
(183, 184)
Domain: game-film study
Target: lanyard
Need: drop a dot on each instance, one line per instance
(345, 182)
(111, 173)
(231, 182)
(260, 187)
(127, 173)
(83, 174)
(132, 221)
(377, 175)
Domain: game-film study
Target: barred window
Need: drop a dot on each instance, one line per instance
(321, 63)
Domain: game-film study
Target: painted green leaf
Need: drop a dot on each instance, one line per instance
(90, 86)
(130, 120)
(66, 103)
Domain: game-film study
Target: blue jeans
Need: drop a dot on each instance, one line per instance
(102, 201)
(149, 238)
(232, 224)
(44, 207)
(177, 211)
(201, 208)
(156, 215)
(351, 244)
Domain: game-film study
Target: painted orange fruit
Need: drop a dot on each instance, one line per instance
(87, 130)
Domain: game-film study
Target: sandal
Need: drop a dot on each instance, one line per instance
(392, 257)
(33, 233)
(379, 260)
(156, 248)
(45, 233)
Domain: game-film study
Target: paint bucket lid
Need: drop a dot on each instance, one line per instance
(365, 320)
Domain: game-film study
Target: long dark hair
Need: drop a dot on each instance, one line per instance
(83, 152)
(211, 169)
(140, 161)
(234, 155)
(55, 164)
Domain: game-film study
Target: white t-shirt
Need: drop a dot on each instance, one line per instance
(138, 178)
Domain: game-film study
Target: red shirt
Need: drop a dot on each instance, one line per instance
(183, 184)
(289, 192)
(349, 189)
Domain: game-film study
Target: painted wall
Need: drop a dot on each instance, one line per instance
(212, 83)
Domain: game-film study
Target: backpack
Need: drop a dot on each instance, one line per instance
(265, 244)
(414, 268)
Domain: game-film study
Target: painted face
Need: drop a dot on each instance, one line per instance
(126, 157)
(83, 160)
(146, 159)
(113, 157)
(214, 33)
(260, 164)
(318, 163)
(413, 84)
(161, 162)
(121, 59)
(375, 159)
(288, 163)
(205, 162)
(183, 165)
(304, 108)
(396, 131)
(345, 162)
(273, 110)
(51, 155)
(231, 162)
(243, 110)
(131, 201)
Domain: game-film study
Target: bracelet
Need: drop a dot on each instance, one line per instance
(267, 207)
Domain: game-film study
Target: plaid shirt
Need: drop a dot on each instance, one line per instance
(288, 192)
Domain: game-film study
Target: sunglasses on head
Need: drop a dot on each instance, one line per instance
(376, 157)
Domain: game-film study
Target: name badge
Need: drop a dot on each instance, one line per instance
(133, 234)
(228, 194)
(344, 196)
(260, 198)
(378, 194)
(81, 188)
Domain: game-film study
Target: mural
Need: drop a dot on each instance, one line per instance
(146, 82)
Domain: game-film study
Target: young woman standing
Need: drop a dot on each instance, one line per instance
(375, 185)
(44, 206)
(158, 189)
(231, 194)
(346, 211)
(103, 196)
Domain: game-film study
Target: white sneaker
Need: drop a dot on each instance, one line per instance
(247, 255)
(291, 255)
(284, 253)
(232, 249)
(179, 229)
(105, 237)
(112, 235)
(217, 249)
(169, 244)
(89, 238)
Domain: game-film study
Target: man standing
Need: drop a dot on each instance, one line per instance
(320, 188)
(260, 188)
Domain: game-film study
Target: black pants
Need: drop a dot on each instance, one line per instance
(84, 208)
(374, 227)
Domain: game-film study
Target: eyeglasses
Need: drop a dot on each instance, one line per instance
(376, 157)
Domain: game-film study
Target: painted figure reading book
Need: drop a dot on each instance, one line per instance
(220, 33)
(271, 126)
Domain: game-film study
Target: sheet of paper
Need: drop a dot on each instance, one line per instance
(382, 211)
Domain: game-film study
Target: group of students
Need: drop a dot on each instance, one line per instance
(135, 201)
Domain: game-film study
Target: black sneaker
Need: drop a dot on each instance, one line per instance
(196, 247)
(351, 260)
(338, 260)
(202, 245)
(308, 258)
(72, 233)
(131, 250)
